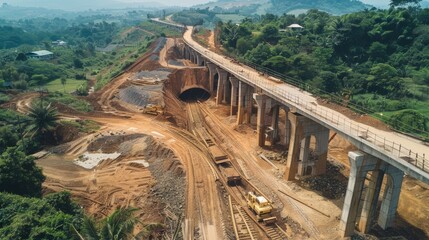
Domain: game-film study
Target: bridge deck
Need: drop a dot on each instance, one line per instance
(401, 151)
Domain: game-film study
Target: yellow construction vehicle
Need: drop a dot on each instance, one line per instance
(152, 109)
(261, 207)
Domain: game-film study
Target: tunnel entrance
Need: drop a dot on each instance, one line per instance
(194, 94)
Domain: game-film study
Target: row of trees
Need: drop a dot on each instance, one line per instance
(381, 52)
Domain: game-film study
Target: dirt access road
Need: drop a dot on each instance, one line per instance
(121, 182)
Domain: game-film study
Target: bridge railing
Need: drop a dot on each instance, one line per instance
(358, 131)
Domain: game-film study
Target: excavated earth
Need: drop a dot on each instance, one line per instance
(160, 169)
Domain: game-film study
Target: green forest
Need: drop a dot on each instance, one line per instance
(97, 49)
(374, 61)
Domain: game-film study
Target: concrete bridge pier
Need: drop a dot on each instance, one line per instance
(249, 105)
(245, 103)
(360, 165)
(273, 132)
(199, 59)
(187, 53)
(212, 73)
(287, 130)
(193, 57)
(300, 159)
(261, 101)
(223, 77)
(234, 95)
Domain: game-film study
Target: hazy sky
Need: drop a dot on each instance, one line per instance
(94, 4)
(85, 4)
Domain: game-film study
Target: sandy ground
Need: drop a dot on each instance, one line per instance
(165, 171)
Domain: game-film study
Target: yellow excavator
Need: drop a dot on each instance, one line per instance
(261, 207)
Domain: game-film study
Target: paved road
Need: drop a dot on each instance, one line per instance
(406, 153)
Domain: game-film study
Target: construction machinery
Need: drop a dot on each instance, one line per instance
(152, 109)
(261, 207)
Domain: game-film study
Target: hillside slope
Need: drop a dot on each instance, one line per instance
(246, 7)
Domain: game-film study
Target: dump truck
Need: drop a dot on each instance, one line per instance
(261, 207)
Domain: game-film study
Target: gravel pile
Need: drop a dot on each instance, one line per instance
(160, 45)
(170, 186)
(135, 95)
(332, 185)
(142, 95)
(160, 74)
(175, 63)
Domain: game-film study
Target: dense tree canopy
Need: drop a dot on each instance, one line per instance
(52, 217)
(19, 174)
(381, 52)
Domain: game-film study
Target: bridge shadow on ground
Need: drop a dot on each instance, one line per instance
(401, 228)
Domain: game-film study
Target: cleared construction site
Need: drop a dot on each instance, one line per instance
(197, 159)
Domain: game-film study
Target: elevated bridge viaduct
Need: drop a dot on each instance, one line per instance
(381, 153)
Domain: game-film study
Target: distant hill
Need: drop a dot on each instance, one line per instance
(336, 7)
(82, 5)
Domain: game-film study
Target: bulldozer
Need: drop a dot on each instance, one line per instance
(261, 207)
(152, 109)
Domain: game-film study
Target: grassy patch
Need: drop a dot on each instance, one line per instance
(235, 18)
(4, 98)
(160, 29)
(70, 101)
(70, 86)
(120, 59)
(85, 126)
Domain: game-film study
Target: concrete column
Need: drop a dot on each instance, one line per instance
(212, 72)
(287, 127)
(275, 124)
(182, 50)
(322, 142)
(390, 197)
(260, 122)
(371, 200)
(187, 53)
(194, 57)
(234, 94)
(296, 135)
(227, 92)
(353, 194)
(242, 92)
(249, 104)
(304, 154)
(360, 164)
(223, 77)
(199, 59)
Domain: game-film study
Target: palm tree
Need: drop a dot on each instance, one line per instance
(117, 226)
(43, 119)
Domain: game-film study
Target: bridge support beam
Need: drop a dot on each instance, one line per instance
(299, 160)
(199, 59)
(249, 104)
(234, 95)
(288, 126)
(245, 103)
(274, 131)
(212, 72)
(187, 54)
(193, 57)
(360, 165)
(227, 92)
(223, 77)
(261, 100)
